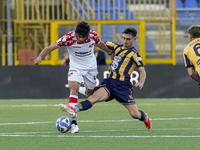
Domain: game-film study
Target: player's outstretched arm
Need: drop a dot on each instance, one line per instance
(142, 78)
(103, 46)
(44, 52)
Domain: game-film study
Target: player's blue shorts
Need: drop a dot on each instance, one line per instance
(119, 90)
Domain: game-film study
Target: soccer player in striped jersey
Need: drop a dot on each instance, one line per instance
(80, 45)
(117, 85)
(191, 53)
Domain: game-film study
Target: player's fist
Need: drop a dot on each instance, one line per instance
(112, 56)
(37, 60)
(138, 84)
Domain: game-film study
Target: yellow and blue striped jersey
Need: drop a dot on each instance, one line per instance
(191, 55)
(124, 62)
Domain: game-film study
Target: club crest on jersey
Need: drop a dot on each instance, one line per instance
(121, 55)
(70, 74)
(91, 45)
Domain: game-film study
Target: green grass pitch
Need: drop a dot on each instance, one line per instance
(30, 125)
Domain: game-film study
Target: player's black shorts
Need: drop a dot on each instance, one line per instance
(119, 90)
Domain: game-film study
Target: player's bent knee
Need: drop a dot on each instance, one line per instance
(88, 94)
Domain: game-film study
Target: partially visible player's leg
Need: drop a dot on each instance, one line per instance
(89, 92)
(73, 100)
(82, 90)
(98, 96)
(90, 82)
(74, 80)
(139, 114)
(85, 91)
(125, 97)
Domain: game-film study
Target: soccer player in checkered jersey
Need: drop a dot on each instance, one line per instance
(80, 44)
(191, 53)
(118, 86)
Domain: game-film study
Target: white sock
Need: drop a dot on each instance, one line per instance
(73, 100)
(82, 90)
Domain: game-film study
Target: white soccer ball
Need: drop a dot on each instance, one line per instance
(63, 124)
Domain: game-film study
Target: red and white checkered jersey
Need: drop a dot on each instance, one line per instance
(81, 54)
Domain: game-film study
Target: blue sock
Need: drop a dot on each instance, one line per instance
(143, 117)
(84, 105)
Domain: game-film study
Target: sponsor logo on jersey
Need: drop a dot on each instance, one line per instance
(91, 45)
(117, 58)
(131, 101)
(139, 59)
(76, 47)
(82, 54)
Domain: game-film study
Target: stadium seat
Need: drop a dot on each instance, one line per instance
(191, 4)
(99, 15)
(120, 28)
(79, 8)
(76, 5)
(107, 31)
(121, 5)
(179, 4)
(184, 18)
(99, 9)
(123, 8)
(197, 16)
(112, 16)
(149, 45)
(106, 3)
(131, 15)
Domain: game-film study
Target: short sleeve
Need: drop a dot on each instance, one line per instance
(95, 37)
(187, 62)
(65, 40)
(137, 59)
(110, 45)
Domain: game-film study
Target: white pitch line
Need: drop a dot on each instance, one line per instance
(105, 104)
(2, 124)
(188, 118)
(129, 136)
(88, 121)
(33, 105)
(94, 131)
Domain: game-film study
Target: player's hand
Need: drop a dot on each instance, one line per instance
(138, 84)
(37, 60)
(112, 56)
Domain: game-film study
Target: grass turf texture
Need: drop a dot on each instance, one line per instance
(30, 124)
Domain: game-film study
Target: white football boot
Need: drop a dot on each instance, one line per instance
(74, 128)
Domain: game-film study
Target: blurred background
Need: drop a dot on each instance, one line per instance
(28, 26)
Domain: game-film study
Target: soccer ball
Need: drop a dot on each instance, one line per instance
(63, 124)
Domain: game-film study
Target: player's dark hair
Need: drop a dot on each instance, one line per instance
(82, 28)
(131, 31)
(194, 31)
